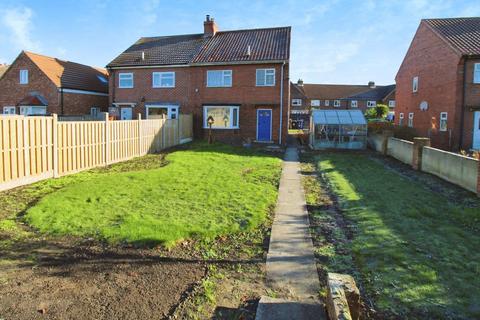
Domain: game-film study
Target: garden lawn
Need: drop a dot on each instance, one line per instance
(417, 253)
(204, 191)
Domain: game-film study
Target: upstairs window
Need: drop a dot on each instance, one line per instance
(297, 102)
(476, 73)
(219, 78)
(410, 119)
(315, 103)
(23, 76)
(391, 103)
(371, 104)
(400, 121)
(327, 103)
(415, 84)
(125, 80)
(443, 121)
(354, 104)
(336, 103)
(163, 79)
(265, 77)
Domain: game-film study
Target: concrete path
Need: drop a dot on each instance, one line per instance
(291, 268)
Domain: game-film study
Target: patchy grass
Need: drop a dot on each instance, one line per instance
(204, 191)
(415, 251)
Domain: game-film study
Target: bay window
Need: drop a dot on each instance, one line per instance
(224, 117)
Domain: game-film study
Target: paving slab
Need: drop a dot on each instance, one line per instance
(291, 267)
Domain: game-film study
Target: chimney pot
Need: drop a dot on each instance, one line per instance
(300, 82)
(371, 84)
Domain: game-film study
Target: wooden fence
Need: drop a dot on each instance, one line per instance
(37, 148)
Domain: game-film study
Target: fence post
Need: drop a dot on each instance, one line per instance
(387, 135)
(139, 117)
(478, 179)
(55, 144)
(418, 144)
(179, 131)
(107, 139)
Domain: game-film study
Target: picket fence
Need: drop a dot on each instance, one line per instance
(37, 148)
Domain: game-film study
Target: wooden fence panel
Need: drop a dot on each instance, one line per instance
(26, 150)
(36, 148)
(80, 146)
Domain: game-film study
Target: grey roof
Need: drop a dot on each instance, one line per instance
(226, 46)
(160, 51)
(347, 117)
(378, 93)
(462, 33)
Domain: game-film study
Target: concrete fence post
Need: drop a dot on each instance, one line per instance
(387, 134)
(418, 144)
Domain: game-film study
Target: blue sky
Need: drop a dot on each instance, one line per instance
(332, 41)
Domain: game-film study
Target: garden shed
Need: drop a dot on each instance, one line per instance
(340, 129)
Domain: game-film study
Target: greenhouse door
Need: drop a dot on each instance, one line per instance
(264, 125)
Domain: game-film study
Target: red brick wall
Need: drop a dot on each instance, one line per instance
(472, 103)
(440, 76)
(12, 92)
(191, 93)
(80, 104)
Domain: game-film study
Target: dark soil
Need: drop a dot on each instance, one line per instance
(84, 281)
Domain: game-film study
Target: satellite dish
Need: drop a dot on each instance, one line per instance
(424, 105)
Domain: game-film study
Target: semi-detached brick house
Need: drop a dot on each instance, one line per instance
(240, 78)
(307, 96)
(38, 85)
(438, 83)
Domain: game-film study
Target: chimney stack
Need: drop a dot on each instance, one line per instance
(209, 27)
(371, 84)
(300, 82)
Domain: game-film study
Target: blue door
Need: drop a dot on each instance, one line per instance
(264, 125)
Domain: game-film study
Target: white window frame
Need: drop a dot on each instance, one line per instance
(391, 103)
(371, 104)
(327, 103)
(415, 84)
(266, 72)
(443, 120)
(161, 76)
(23, 76)
(94, 111)
(315, 103)
(7, 110)
(400, 121)
(354, 104)
(225, 74)
(27, 110)
(476, 73)
(410, 119)
(124, 75)
(337, 103)
(172, 110)
(297, 102)
(232, 125)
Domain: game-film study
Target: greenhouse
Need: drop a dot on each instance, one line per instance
(340, 129)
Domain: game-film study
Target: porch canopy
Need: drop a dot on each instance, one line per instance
(341, 129)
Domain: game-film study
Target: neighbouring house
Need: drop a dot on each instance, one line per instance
(238, 79)
(307, 96)
(438, 83)
(35, 84)
(3, 68)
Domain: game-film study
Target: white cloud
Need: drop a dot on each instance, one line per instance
(18, 25)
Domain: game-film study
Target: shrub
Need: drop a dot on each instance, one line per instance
(380, 127)
(380, 111)
(405, 133)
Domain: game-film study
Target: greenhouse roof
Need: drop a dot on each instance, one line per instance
(347, 117)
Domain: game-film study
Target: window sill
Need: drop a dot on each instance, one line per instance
(264, 85)
(163, 87)
(233, 128)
